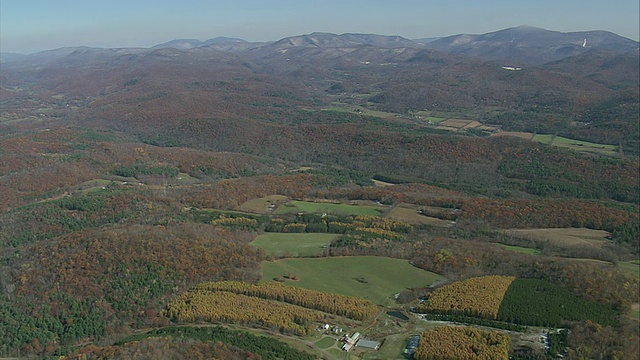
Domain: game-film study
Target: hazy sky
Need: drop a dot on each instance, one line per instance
(33, 25)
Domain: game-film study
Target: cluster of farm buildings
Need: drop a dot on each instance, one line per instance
(355, 340)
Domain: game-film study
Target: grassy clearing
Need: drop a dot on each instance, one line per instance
(522, 249)
(543, 138)
(585, 146)
(434, 119)
(296, 245)
(578, 145)
(93, 185)
(630, 267)
(339, 209)
(263, 205)
(228, 213)
(519, 134)
(361, 111)
(368, 277)
(439, 115)
(565, 237)
(326, 342)
(409, 213)
(186, 179)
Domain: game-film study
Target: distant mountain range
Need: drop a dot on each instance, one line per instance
(185, 44)
(515, 46)
(530, 45)
(521, 78)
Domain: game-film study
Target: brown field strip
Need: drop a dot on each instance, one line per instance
(522, 135)
(566, 237)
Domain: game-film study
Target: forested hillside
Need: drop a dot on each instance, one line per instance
(130, 176)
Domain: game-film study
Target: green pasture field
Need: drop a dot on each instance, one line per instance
(543, 138)
(578, 145)
(342, 209)
(364, 111)
(326, 342)
(521, 249)
(293, 244)
(585, 146)
(630, 267)
(369, 277)
(434, 119)
(428, 114)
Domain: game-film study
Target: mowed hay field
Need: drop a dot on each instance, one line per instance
(567, 238)
(578, 145)
(522, 135)
(293, 244)
(330, 208)
(263, 205)
(369, 277)
(409, 214)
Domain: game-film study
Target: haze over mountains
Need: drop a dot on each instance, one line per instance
(472, 73)
(524, 44)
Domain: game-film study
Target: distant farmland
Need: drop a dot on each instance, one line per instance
(577, 145)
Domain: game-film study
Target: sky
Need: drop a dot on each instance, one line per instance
(28, 26)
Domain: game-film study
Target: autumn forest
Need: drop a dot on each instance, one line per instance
(136, 185)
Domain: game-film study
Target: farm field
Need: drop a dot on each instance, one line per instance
(437, 116)
(585, 146)
(559, 141)
(630, 267)
(370, 277)
(519, 134)
(409, 214)
(361, 110)
(480, 296)
(293, 244)
(263, 205)
(578, 145)
(540, 303)
(296, 206)
(543, 138)
(326, 342)
(564, 237)
(521, 249)
(214, 213)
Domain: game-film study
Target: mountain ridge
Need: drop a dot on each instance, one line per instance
(526, 43)
(531, 45)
